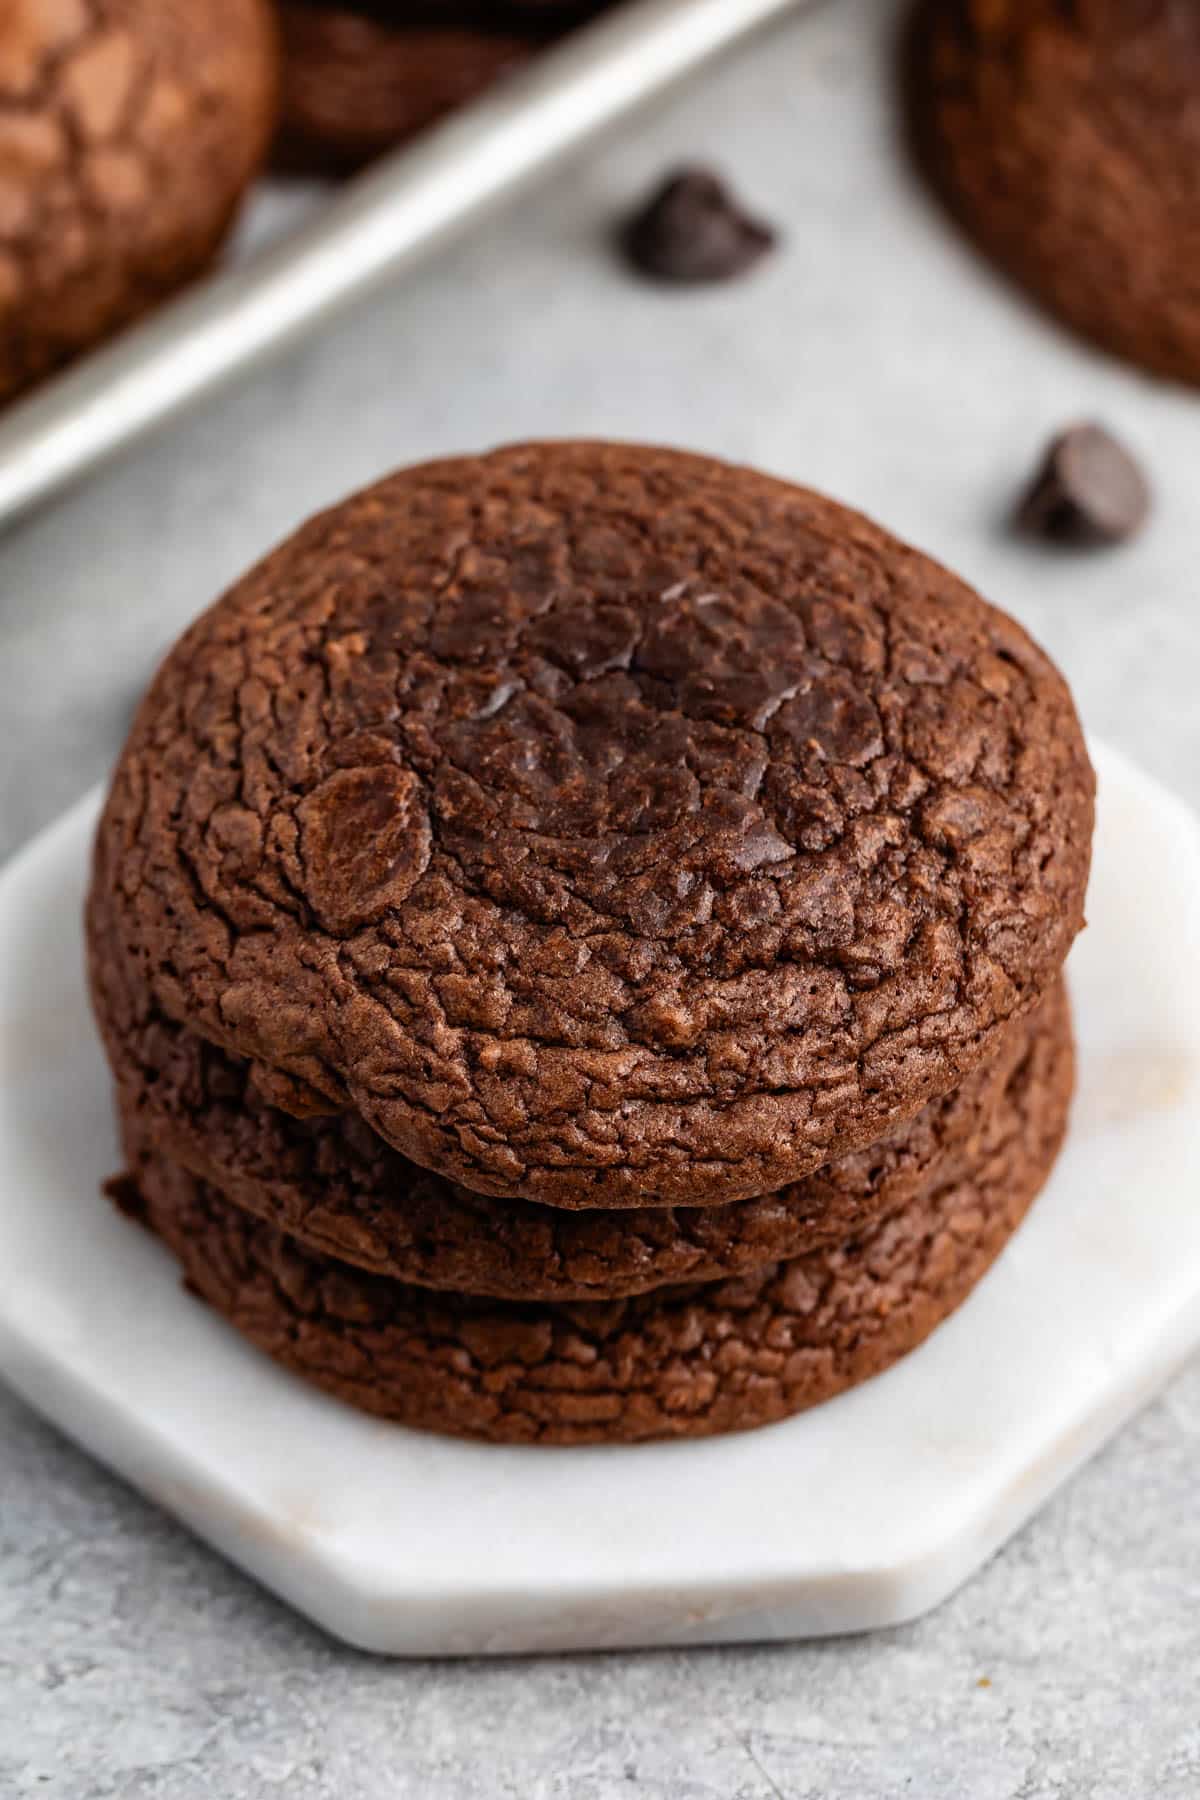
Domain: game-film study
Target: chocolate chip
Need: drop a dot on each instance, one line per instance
(1089, 490)
(692, 229)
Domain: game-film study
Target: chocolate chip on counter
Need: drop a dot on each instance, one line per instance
(1089, 490)
(692, 229)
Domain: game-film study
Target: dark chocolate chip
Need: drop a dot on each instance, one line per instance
(125, 1195)
(692, 229)
(1089, 490)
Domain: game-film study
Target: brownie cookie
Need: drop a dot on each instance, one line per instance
(339, 1189)
(607, 826)
(1066, 139)
(129, 130)
(682, 1362)
(358, 80)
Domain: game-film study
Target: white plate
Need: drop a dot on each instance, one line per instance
(863, 1513)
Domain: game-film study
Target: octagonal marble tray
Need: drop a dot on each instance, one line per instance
(863, 1513)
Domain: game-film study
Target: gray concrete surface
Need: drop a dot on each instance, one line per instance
(872, 357)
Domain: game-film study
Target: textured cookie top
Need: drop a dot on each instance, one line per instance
(606, 825)
(1067, 140)
(128, 130)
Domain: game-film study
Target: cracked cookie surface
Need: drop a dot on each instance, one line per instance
(682, 1362)
(607, 826)
(336, 1187)
(1066, 140)
(129, 130)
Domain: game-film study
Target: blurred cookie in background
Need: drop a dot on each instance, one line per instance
(362, 77)
(129, 131)
(1066, 141)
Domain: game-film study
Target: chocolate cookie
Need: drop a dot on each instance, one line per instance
(129, 130)
(682, 1362)
(606, 826)
(358, 80)
(340, 1190)
(1066, 139)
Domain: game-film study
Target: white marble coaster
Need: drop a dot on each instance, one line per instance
(863, 1513)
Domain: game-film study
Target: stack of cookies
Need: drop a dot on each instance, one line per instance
(578, 936)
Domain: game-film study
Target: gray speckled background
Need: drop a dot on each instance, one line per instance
(871, 356)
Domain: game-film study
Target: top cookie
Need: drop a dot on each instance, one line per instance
(1067, 141)
(606, 825)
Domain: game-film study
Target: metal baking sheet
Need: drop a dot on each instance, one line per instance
(401, 207)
